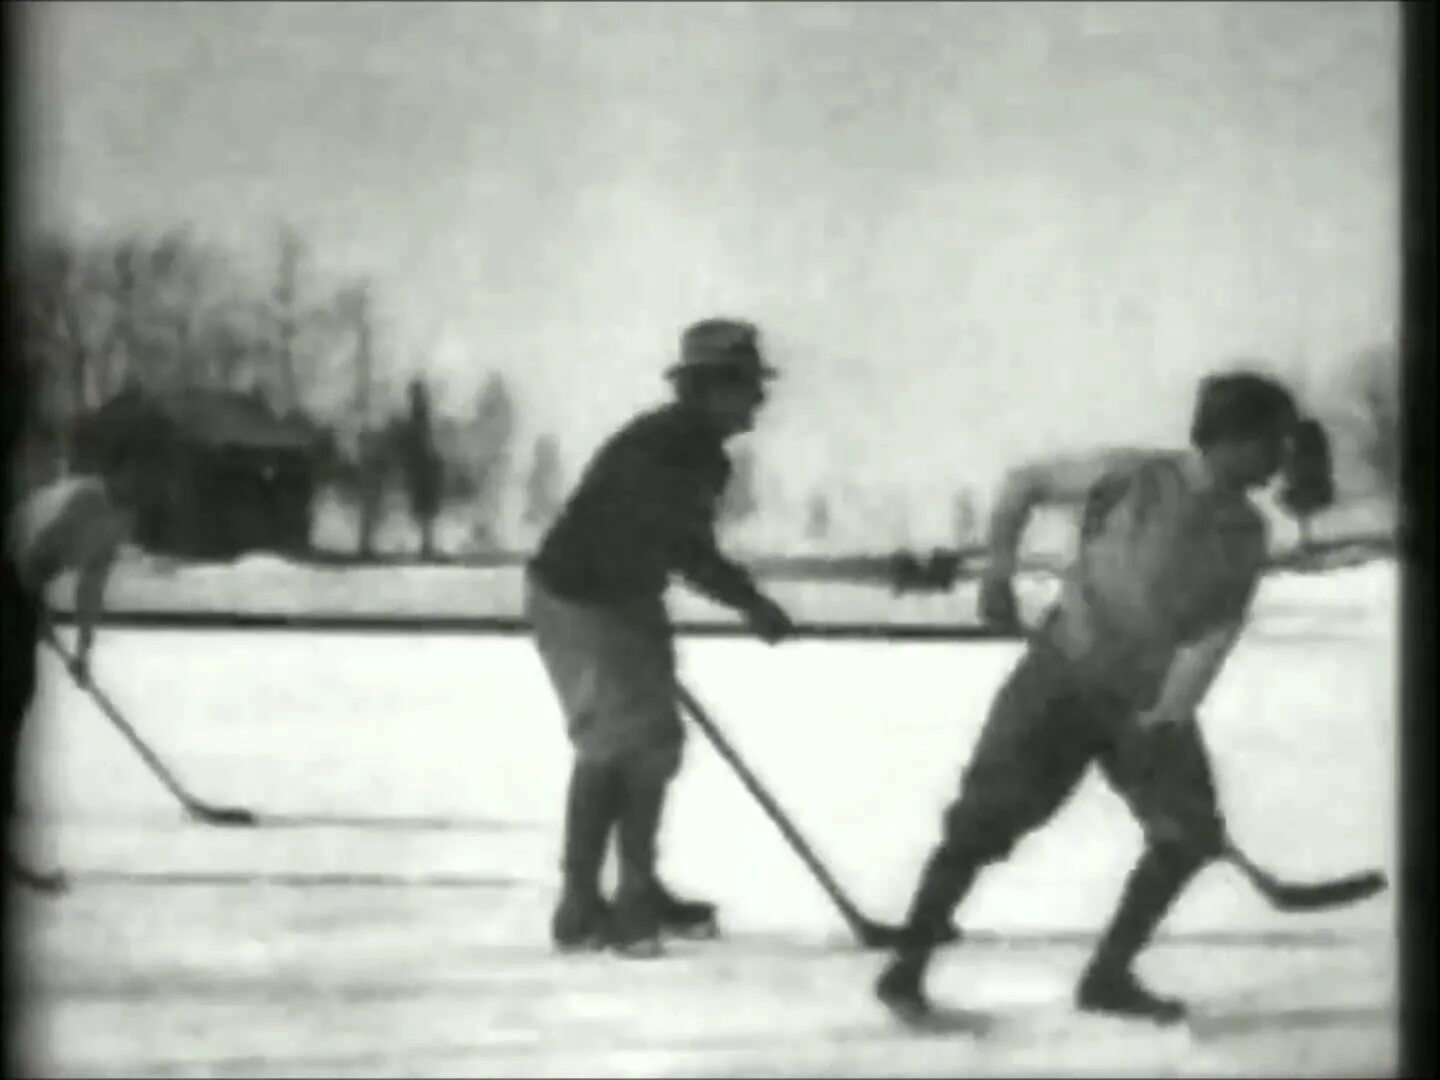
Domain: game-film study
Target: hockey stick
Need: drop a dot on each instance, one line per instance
(1293, 896)
(870, 934)
(1287, 896)
(196, 808)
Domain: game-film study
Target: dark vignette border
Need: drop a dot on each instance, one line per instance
(1418, 358)
(1417, 742)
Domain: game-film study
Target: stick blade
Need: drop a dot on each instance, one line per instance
(1319, 896)
(875, 935)
(236, 816)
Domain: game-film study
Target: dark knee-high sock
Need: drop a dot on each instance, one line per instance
(1150, 891)
(639, 831)
(591, 807)
(947, 877)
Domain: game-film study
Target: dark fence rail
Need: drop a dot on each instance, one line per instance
(900, 572)
(939, 568)
(510, 626)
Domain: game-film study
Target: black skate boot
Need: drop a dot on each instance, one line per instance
(946, 879)
(581, 923)
(634, 930)
(638, 917)
(1109, 985)
(582, 918)
(695, 920)
(1118, 993)
(900, 987)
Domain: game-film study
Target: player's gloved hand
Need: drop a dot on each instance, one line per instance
(998, 607)
(769, 620)
(80, 666)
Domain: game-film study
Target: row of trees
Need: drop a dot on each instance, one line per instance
(168, 313)
(436, 464)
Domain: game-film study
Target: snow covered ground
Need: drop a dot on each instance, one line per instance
(389, 917)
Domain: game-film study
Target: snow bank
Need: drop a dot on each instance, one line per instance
(1346, 601)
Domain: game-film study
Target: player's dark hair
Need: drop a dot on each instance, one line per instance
(1240, 405)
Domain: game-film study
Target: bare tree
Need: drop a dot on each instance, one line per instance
(420, 463)
(165, 290)
(967, 518)
(542, 486)
(65, 336)
(165, 312)
(371, 453)
(286, 314)
(817, 517)
(495, 430)
(1378, 419)
(43, 291)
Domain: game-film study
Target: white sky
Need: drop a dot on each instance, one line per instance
(969, 231)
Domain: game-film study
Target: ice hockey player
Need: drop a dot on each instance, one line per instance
(645, 508)
(1171, 550)
(70, 524)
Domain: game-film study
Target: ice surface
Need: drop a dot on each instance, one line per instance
(390, 916)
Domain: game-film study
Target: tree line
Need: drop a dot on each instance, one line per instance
(168, 313)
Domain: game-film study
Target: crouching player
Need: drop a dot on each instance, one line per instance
(71, 524)
(645, 507)
(1171, 549)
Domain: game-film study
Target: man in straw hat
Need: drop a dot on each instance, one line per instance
(645, 508)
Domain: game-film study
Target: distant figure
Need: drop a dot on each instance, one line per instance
(71, 524)
(645, 508)
(1171, 551)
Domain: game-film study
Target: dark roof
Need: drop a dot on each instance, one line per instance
(214, 418)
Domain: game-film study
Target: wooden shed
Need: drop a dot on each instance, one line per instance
(211, 474)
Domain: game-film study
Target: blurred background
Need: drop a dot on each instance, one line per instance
(371, 282)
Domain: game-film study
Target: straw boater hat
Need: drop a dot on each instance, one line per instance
(731, 345)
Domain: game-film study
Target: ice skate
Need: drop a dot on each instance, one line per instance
(695, 920)
(634, 926)
(580, 924)
(1118, 993)
(900, 989)
(581, 921)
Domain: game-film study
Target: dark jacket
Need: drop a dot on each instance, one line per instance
(644, 509)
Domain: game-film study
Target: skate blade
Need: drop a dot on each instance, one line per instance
(933, 1020)
(706, 931)
(648, 949)
(571, 948)
(1176, 1018)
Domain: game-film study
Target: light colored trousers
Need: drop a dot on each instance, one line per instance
(613, 669)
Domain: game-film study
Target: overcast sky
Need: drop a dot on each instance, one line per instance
(969, 231)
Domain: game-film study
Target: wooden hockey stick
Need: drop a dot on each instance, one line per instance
(870, 934)
(1283, 895)
(1295, 896)
(195, 807)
